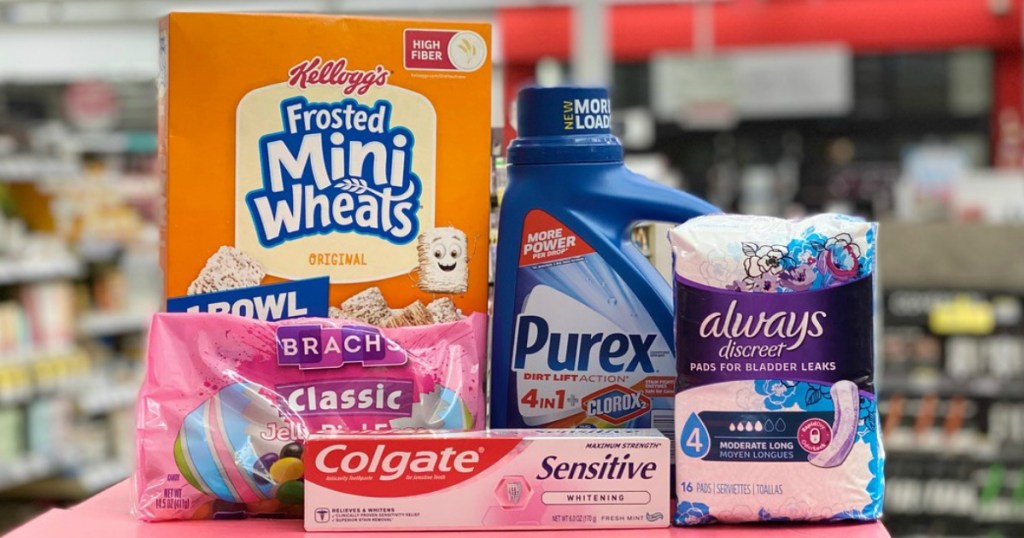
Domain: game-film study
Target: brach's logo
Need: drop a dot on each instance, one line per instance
(400, 468)
(315, 347)
(336, 73)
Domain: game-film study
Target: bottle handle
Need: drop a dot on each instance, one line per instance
(665, 204)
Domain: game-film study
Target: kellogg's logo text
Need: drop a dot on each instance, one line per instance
(336, 167)
(334, 73)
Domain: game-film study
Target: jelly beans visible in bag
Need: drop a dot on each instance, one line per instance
(227, 402)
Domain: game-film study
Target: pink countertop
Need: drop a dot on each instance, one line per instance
(106, 514)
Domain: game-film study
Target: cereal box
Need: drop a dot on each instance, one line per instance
(325, 166)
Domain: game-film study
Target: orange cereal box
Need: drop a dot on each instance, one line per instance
(325, 166)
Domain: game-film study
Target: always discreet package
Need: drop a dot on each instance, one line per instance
(227, 402)
(775, 411)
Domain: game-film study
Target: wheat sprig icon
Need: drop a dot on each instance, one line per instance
(467, 47)
(360, 186)
(354, 185)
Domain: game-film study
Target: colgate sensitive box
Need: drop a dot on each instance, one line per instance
(501, 479)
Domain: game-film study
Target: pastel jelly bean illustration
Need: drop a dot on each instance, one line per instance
(292, 450)
(261, 469)
(286, 470)
(218, 446)
(291, 492)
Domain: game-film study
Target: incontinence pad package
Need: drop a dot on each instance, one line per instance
(775, 409)
(228, 401)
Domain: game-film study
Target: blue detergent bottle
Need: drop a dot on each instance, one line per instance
(582, 320)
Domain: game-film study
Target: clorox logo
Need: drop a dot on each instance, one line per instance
(616, 404)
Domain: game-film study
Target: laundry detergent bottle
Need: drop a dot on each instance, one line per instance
(582, 320)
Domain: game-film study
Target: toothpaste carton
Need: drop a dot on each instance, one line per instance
(499, 479)
(324, 165)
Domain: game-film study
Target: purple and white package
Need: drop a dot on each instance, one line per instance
(775, 410)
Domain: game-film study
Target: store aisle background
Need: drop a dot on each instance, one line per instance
(908, 112)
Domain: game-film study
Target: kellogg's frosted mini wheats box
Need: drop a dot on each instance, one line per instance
(321, 166)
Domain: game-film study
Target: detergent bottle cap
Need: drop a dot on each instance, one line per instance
(564, 124)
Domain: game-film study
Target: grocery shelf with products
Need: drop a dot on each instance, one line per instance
(130, 163)
(77, 287)
(894, 129)
(952, 404)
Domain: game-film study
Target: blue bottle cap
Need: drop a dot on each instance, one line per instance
(563, 125)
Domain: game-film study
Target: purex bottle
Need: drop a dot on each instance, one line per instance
(582, 321)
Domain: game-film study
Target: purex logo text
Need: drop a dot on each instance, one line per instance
(615, 352)
(336, 167)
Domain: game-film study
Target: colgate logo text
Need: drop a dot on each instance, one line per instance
(391, 465)
(372, 467)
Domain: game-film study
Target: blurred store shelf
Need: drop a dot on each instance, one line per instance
(14, 272)
(73, 485)
(98, 324)
(951, 255)
(18, 396)
(29, 168)
(115, 142)
(98, 250)
(980, 387)
(112, 397)
(30, 468)
(137, 187)
(25, 357)
(981, 455)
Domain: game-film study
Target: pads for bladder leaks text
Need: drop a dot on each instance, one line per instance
(775, 411)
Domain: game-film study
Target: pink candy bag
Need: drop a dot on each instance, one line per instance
(227, 402)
